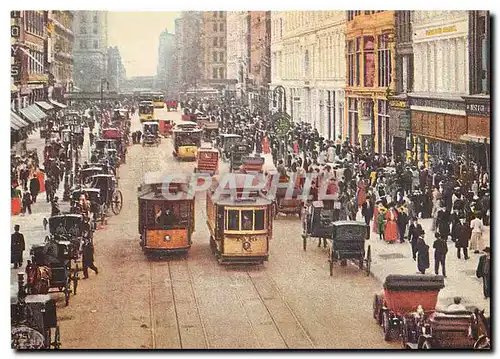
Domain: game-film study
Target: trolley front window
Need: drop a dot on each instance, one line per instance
(146, 110)
(168, 215)
(188, 139)
(245, 220)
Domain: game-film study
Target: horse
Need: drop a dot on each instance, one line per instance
(482, 330)
(38, 281)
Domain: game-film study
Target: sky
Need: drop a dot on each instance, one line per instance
(137, 34)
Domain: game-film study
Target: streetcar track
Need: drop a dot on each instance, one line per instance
(174, 304)
(191, 281)
(151, 307)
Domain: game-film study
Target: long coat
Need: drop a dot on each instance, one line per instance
(463, 236)
(88, 254)
(422, 255)
(34, 186)
(17, 247)
(391, 233)
(484, 271)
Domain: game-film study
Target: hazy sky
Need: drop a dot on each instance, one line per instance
(136, 34)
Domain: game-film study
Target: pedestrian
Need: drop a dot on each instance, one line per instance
(422, 254)
(463, 239)
(17, 247)
(55, 210)
(367, 213)
(484, 271)
(34, 188)
(26, 203)
(391, 231)
(402, 223)
(440, 250)
(88, 259)
(476, 240)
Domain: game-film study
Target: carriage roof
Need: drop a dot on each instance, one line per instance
(68, 220)
(349, 223)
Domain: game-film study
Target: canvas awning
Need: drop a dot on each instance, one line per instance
(44, 105)
(55, 103)
(17, 122)
(474, 138)
(33, 113)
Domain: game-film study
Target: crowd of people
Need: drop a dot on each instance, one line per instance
(393, 194)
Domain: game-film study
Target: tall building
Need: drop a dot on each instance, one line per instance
(213, 43)
(370, 78)
(29, 70)
(238, 50)
(116, 74)
(60, 55)
(166, 49)
(441, 78)
(189, 49)
(307, 56)
(260, 59)
(90, 49)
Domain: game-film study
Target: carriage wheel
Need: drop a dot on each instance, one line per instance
(47, 338)
(426, 345)
(117, 202)
(368, 260)
(376, 308)
(304, 241)
(404, 332)
(386, 326)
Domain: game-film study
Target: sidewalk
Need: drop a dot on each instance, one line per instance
(32, 224)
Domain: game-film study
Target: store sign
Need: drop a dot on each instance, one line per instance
(440, 30)
(15, 31)
(404, 123)
(15, 72)
(476, 109)
(398, 104)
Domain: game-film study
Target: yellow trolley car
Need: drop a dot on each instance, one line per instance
(240, 229)
(146, 111)
(165, 225)
(187, 139)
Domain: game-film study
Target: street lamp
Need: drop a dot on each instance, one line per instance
(280, 90)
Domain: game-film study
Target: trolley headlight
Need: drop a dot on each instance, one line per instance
(167, 238)
(246, 245)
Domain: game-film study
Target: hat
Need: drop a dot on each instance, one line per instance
(487, 250)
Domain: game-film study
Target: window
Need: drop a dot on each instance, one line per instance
(384, 62)
(214, 73)
(96, 44)
(215, 41)
(214, 56)
(369, 61)
(221, 26)
(330, 106)
(483, 52)
(215, 13)
(404, 32)
(95, 30)
(233, 220)
(83, 30)
(221, 14)
(83, 44)
(83, 18)
(358, 61)
(95, 19)
(221, 42)
(404, 78)
(351, 62)
(247, 220)
(221, 56)
(215, 27)
(383, 127)
(352, 120)
(221, 72)
(259, 220)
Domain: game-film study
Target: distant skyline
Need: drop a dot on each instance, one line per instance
(137, 34)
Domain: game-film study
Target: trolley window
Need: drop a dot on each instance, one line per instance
(168, 215)
(233, 220)
(259, 220)
(188, 139)
(245, 220)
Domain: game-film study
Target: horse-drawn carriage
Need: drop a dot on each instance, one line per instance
(166, 127)
(407, 309)
(226, 143)
(238, 153)
(285, 201)
(151, 134)
(33, 320)
(55, 264)
(87, 173)
(210, 129)
(96, 208)
(207, 161)
(172, 105)
(111, 197)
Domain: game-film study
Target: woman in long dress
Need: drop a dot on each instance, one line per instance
(361, 194)
(391, 226)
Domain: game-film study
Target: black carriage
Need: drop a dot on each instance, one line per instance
(238, 152)
(348, 243)
(317, 223)
(210, 130)
(87, 173)
(226, 142)
(33, 320)
(111, 197)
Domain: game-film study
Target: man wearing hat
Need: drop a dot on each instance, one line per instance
(483, 271)
(457, 306)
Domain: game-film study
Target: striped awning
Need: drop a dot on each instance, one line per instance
(17, 122)
(33, 113)
(44, 105)
(55, 103)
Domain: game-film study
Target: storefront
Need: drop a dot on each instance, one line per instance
(477, 137)
(400, 126)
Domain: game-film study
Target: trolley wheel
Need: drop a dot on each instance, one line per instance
(368, 260)
(117, 202)
(304, 241)
(386, 326)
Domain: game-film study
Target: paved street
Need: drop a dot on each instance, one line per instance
(289, 302)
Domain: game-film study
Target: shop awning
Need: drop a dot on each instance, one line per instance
(55, 103)
(17, 122)
(476, 139)
(33, 113)
(44, 105)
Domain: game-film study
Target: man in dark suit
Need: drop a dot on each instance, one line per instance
(367, 213)
(483, 271)
(17, 247)
(414, 231)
